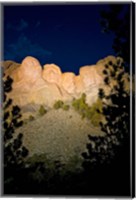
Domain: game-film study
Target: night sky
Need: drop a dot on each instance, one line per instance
(67, 35)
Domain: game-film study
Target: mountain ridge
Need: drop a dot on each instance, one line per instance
(33, 83)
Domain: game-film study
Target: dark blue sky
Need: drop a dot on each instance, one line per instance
(67, 35)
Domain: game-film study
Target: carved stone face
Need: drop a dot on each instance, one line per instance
(32, 83)
(68, 82)
(89, 76)
(79, 84)
(29, 70)
(52, 73)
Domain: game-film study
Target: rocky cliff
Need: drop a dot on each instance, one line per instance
(58, 134)
(36, 84)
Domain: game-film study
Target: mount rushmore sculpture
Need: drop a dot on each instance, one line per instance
(36, 84)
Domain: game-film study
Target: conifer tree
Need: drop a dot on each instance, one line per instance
(109, 154)
(116, 21)
(14, 152)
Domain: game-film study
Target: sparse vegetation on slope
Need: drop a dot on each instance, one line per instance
(42, 110)
(108, 156)
(14, 150)
(60, 104)
(60, 132)
(57, 139)
(89, 112)
(31, 118)
(66, 107)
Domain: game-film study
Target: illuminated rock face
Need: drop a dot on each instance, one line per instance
(68, 82)
(30, 70)
(34, 84)
(52, 73)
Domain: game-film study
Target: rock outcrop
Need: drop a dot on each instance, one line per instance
(36, 85)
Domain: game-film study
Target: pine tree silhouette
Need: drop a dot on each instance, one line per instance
(116, 20)
(14, 151)
(109, 154)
